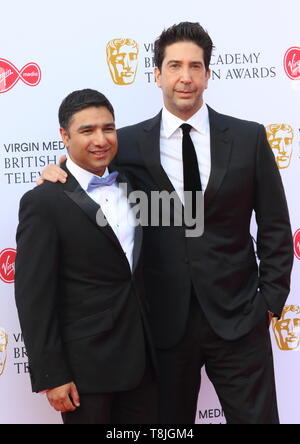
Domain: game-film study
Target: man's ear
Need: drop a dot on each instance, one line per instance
(65, 136)
(157, 76)
(208, 76)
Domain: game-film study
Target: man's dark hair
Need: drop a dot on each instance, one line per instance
(183, 32)
(79, 100)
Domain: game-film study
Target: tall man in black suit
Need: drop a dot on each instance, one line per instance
(210, 301)
(79, 290)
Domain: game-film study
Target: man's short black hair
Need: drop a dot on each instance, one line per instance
(184, 31)
(79, 100)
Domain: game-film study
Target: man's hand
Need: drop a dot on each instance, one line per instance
(53, 173)
(64, 398)
(271, 315)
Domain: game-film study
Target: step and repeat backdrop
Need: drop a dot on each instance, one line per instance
(51, 48)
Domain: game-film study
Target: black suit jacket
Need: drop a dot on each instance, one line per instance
(79, 304)
(221, 265)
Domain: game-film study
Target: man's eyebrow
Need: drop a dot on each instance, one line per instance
(173, 61)
(180, 61)
(85, 127)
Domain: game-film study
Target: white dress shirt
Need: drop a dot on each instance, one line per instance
(114, 205)
(171, 147)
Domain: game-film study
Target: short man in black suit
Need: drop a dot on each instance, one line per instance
(79, 290)
(210, 301)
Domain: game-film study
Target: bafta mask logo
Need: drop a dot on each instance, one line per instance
(287, 329)
(3, 347)
(122, 59)
(280, 137)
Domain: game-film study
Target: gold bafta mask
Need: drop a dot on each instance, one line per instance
(287, 329)
(280, 137)
(122, 59)
(3, 347)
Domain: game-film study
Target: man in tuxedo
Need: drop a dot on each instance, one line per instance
(79, 289)
(210, 301)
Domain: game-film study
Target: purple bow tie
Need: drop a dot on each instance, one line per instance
(97, 182)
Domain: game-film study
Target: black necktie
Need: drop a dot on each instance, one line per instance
(191, 175)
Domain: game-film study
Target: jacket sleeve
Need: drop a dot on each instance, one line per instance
(37, 292)
(274, 236)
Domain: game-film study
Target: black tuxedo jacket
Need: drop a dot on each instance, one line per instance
(80, 305)
(233, 290)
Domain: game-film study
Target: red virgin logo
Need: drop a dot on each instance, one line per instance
(10, 75)
(297, 244)
(7, 265)
(292, 63)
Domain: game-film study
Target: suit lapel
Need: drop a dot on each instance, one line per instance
(73, 190)
(150, 148)
(220, 145)
(138, 233)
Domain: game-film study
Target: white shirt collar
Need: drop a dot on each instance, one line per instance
(199, 121)
(82, 176)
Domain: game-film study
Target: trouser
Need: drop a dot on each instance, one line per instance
(241, 371)
(137, 406)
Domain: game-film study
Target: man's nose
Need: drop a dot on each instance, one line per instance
(99, 138)
(186, 75)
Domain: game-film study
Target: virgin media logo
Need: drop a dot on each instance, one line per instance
(7, 265)
(10, 75)
(297, 244)
(292, 63)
